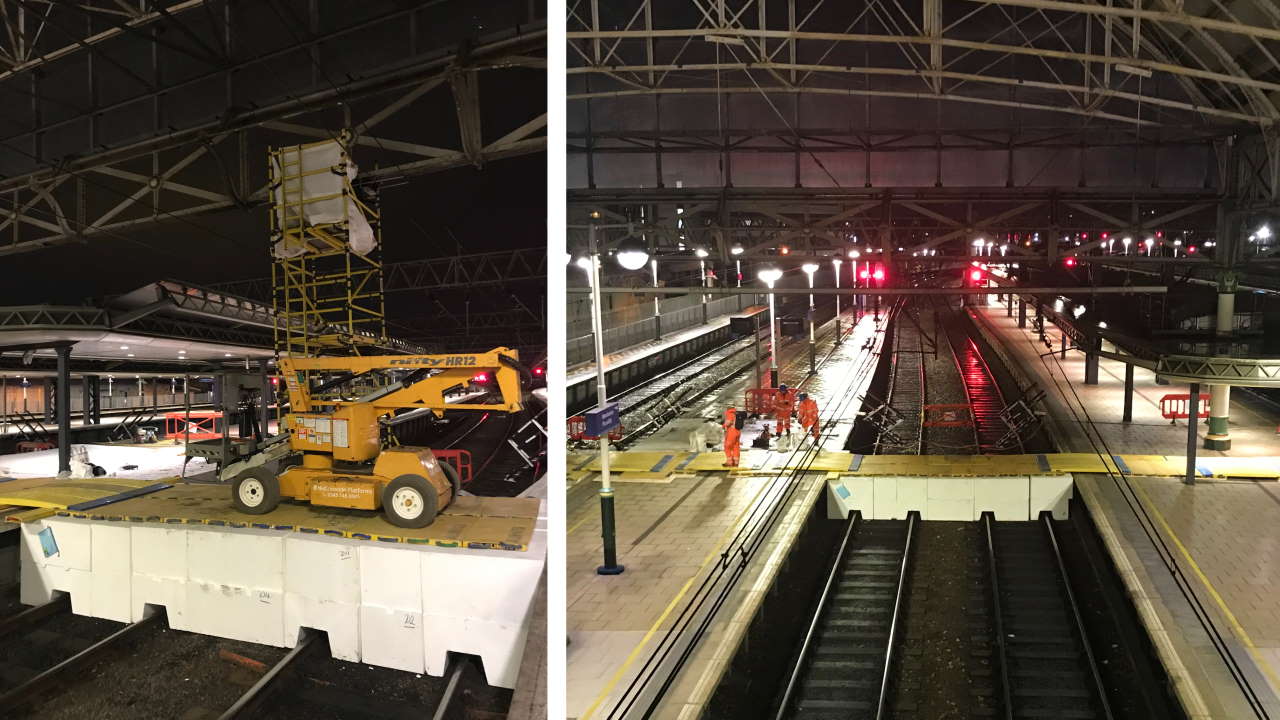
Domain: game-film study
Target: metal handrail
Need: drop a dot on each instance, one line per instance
(1047, 519)
(998, 616)
(855, 519)
(913, 517)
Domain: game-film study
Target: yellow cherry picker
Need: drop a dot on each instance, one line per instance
(341, 449)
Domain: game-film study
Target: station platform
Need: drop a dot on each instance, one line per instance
(672, 528)
(1202, 561)
(657, 466)
(586, 371)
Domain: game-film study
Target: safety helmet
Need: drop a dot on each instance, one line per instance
(782, 387)
(803, 396)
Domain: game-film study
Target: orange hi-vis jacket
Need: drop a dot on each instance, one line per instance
(808, 412)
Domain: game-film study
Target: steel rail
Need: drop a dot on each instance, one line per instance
(450, 690)
(797, 671)
(248, 704)
(1046, 519)
(743, 546)
(56, 606)
(998, 615)
(20, 695)
(895, 623)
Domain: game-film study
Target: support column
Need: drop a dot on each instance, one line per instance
(1008, 305)
(91, 411)
(64, 409)
(1022, 314)
(49, 402)
(1193, 410)
(1219, 436)
(1128, 393)
(1091, 361)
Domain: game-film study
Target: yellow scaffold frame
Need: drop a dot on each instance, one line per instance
(329, 299)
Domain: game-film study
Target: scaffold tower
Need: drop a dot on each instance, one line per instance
(326, 250)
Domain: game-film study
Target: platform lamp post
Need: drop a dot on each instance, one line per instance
(702, 271)
(857, 299)
(770, 276)
(735, 251)
(657, 303)
(809, 269)
(631, 256)
(836, 262)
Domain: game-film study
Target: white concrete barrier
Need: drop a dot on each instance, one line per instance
(392, 605)
(891, 497)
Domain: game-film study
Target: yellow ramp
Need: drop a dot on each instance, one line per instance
(62, 493)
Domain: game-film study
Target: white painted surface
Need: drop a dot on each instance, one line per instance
(1051, 492)
(889, 497)
(397, 606)
(153, 462)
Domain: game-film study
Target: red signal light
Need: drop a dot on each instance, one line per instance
(538, 371)
(878, 274)
(480, 378)
(975, 275)
(1191, 249)
(863, 275)
(1070, 262)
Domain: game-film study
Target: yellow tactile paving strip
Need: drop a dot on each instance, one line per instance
(651, 464)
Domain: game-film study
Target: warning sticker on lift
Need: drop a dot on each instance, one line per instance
(343, 493)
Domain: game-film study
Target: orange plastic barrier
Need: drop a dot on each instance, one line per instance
(759, 401)
(1173, 407)
(578, 430)
(34, 446)
(459, 459)
(204, 425)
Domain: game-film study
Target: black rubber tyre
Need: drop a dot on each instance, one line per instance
(410, 501)
(454, 480)
(255, 491)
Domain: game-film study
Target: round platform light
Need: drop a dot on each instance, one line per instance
(632, 255)
(770, 276)
(736, 250)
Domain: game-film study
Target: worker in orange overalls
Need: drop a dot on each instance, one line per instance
(784, 403)
(732, 438)
(807, 412)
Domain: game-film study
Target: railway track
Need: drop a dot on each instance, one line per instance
(646, 407)
(60, 665)
(981, 619)
(843, 667)
(1047, 665)
(1031, 657)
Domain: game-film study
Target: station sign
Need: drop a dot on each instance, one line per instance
(601, 420)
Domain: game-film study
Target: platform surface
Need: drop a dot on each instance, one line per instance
(656, 465)
(670, 533)
(469, 521)
(1223, 536)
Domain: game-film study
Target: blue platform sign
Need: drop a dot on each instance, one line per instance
(602, 420)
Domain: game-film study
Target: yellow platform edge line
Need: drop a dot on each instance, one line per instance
(41, 513)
